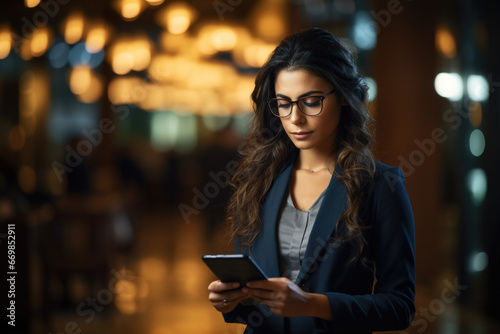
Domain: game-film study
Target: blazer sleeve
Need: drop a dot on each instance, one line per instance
(391, 306)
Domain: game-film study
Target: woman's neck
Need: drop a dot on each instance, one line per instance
(314, 160)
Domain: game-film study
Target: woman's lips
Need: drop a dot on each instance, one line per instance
(301, 135)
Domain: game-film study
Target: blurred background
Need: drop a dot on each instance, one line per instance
(119, 128)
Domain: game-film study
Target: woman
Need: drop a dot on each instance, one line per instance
(331, 226)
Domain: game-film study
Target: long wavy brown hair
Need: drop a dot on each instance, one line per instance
(267, 148)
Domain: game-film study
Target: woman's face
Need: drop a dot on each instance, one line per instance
(309, 132)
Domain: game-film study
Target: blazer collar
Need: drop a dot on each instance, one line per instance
(265, 248)
(332, 207)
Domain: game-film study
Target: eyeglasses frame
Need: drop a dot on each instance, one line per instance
(298, 105)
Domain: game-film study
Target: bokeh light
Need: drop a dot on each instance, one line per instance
(59, 55)
(177, 17)
(449, 85)
(477, 88)
(130, 9)
(97, 37)
(73, 28)
(445, 43)
(31, 3)
(477, 185)
(477, 142)
(5, 41)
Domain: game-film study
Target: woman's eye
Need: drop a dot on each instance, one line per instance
(311, 102)
(283, 104)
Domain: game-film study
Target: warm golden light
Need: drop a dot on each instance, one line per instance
(123, 90)
(177, 17)
(150, 97)
(153, 269)
(141, 53)
(27, 179)
(80, 80)
(73, 30)
(190, 275)
(224, 39)
(269, 20)
(178, 69)
(193, 85)
(40, 42)
(211, 75)
(97, 37)
(31, 3)
(142, 288)
(271, 26)
(126, 289)
(94, 92)
(122, 62)
(5, 41)
(126, 297)
(174, 43)
(34, 98)
(178, 23)
(126, 307)
(445, 43)
(25, 50)
(475, 114)
(213, 38)
(239, 101)
(155, 2)
(205, 46)
(17, 138)
(163, 330)
(129, 54)
(256, 55)
(28, 104)
(130, 9)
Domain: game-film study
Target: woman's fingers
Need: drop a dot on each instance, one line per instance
(218, 286)
(228, 303)
(261, 293)
(228, 296)
(225, 296)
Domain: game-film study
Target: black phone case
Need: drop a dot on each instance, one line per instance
(234, 268)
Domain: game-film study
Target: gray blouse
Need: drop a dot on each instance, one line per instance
(293, 235)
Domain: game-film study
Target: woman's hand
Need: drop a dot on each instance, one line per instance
(225, 296)
(285, 299)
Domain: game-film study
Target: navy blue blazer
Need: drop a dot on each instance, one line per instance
(357, 305)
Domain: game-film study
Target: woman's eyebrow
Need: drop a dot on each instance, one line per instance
(302, 95)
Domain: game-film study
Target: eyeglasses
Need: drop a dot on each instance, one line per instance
(308, 105)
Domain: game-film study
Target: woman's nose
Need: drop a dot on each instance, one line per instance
(296, 117)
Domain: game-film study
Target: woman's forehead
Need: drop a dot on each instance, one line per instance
(298, 81)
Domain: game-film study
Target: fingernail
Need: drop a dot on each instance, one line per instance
(235, 285)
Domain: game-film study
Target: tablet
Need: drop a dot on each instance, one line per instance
(234, 268)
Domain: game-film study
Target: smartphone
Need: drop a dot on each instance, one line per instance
(234, 268)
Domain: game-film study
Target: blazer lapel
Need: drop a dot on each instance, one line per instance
(265, 246)
(333, 205)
